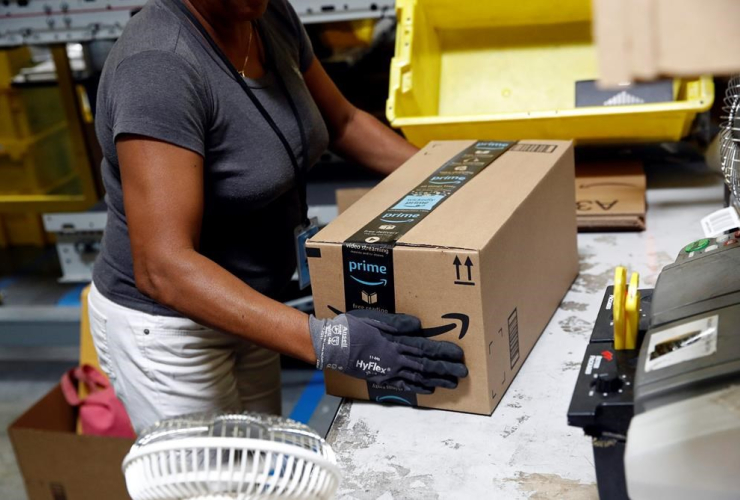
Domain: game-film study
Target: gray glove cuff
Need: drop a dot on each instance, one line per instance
(330, 338)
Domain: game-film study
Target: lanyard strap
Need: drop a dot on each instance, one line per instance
(300, 173)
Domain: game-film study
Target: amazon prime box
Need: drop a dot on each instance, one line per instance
(477, 239)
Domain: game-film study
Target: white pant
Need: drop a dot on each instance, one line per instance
(165, 367)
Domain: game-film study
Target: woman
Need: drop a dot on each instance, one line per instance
(204, 190)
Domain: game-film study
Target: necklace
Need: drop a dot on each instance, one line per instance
(249, 47)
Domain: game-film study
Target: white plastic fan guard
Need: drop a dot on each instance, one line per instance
(221, 468)
(730, 136)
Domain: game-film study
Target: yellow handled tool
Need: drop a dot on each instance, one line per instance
(632, 312)
(618, 312)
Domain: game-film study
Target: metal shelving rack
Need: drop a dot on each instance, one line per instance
(67, 21)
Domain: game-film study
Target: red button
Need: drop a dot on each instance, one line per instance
(730, 242)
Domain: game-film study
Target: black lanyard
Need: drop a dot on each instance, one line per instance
(300, 173)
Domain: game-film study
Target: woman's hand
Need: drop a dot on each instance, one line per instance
(387, 349)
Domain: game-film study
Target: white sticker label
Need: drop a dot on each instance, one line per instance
(594, 362)
(684, 342)
(720, 221)
(609, 302)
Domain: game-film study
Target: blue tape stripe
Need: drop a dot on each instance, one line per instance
(72, 297)
(310, 398)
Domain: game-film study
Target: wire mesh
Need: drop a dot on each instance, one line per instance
(730, 136)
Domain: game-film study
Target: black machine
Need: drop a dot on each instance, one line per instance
(665, 417)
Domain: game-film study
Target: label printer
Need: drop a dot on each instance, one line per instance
(664, 413)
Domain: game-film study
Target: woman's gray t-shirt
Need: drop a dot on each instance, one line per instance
(163, 81)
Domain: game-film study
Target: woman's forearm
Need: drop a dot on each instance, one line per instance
(200, 289)
(370, 143)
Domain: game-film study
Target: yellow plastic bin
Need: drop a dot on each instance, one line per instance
(507, 70)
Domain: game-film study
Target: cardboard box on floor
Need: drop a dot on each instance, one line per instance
(610, 196)
(56, 463)
(486, 258)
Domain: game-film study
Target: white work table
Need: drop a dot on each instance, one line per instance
(525, 449)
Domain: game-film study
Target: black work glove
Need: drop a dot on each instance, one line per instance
(386, 349)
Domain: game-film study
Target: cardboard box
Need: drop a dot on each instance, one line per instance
(56, 463)
(611, 196)
(645, 39)
(346, 197)
(477, 239)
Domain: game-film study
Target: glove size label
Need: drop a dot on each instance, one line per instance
(368, 254)
(337, 335)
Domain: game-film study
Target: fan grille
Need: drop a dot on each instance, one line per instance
(236, 456)
(730, 136)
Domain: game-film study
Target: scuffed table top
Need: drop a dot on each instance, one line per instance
(525, 449)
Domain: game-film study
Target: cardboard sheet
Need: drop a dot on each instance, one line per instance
(56, 463)
(610, 196)
(646, 39)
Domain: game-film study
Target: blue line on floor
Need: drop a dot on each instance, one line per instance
(310, 398)
(6, 282)
(71, 298)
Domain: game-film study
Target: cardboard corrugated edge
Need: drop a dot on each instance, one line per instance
(613, 224)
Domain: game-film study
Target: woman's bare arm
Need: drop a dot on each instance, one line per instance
(163, 199)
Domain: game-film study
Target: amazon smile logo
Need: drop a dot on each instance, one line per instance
(370, 268)
(439, 330)
(458, 318)
(382, 282)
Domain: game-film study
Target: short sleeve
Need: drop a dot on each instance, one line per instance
(158, 94)
(305, 49)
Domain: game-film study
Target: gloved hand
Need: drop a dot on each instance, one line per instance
(387, 349)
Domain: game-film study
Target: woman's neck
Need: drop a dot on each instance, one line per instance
(230, 33)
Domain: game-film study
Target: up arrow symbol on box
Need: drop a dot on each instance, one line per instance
(469, 265)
